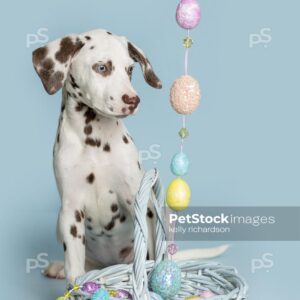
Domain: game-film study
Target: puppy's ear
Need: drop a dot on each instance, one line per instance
(52, 61)
(138, 56)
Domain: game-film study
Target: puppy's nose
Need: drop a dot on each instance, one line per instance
(131, 100)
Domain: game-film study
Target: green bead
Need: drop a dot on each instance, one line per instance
(183, 133)
(188, 42)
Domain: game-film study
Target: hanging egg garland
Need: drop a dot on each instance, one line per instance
(185, 98)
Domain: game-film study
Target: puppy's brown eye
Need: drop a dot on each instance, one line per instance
(130, 70)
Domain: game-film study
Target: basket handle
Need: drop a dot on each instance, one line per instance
(140, 278)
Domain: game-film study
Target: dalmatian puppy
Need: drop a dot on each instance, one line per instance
(96, 163)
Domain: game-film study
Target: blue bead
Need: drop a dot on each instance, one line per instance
(100, 294)
(166, 279)
(180, 164)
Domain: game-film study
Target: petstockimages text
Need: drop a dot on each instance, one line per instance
(222, 219)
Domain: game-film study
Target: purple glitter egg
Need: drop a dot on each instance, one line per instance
(188, 14)
(90, 287)
(122, 294)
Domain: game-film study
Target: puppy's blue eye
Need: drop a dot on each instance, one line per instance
(101, 68)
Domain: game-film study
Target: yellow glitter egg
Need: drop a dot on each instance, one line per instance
(185, 95)
(178, 194)
(193, 297)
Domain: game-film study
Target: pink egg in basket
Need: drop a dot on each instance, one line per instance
(207, 294)
(185, 95)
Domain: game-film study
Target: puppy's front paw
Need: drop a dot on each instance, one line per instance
(55, 270)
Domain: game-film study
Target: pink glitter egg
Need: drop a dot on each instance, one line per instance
(185, 95)
(207, 294)
(188, 14)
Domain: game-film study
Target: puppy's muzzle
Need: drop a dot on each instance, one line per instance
(133, 102)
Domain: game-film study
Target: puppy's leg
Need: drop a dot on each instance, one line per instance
(56, 269)
(151, 223)
(72, 233)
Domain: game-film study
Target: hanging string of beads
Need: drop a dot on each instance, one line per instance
(185, 98)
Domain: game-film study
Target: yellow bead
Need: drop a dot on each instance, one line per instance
(61, 298)
(178, 194)
(76, 288)
(67, 294)
(183, 133)
(112, 293)
(188, 42)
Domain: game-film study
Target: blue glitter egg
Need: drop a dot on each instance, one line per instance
(166, 279)
(100, 294)
(180, 164)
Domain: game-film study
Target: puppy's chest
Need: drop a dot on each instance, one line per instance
(106, 165)
(109, 209)
(104, 142)
(108, 241)
(114, 162)
(114, 168)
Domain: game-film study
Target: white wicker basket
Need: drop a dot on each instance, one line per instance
(197, 276)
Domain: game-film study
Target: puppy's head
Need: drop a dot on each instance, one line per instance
(96, 69)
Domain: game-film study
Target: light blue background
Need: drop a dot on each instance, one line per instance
(244, 144)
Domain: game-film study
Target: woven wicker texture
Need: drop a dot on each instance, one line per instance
(197, 276)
